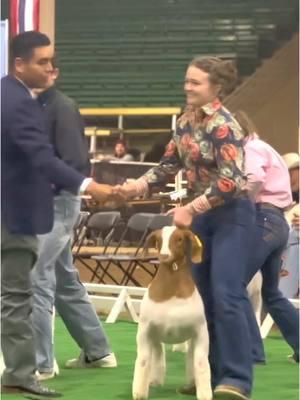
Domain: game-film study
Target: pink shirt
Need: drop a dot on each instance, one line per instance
(266, 167)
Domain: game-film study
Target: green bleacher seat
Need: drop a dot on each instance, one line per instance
(135, 52)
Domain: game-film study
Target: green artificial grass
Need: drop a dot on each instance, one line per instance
(278, 380)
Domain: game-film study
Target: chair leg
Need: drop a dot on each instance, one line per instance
(92, 270)
(101, 279)
(126, 274)
(104, 269)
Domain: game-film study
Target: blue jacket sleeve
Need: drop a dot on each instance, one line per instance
(27, 133)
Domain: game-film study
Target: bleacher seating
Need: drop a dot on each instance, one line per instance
(117, 53)
(134, 52)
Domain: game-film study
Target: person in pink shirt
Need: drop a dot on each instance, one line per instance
(269, 183)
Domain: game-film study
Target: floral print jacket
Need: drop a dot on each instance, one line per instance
(208, 145)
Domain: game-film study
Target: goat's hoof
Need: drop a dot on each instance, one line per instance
(156, 382)
(139, 395)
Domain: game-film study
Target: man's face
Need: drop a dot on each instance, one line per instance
(35, 72)
(120, 150)
(198, 88)
(294, 175)
(50, 82)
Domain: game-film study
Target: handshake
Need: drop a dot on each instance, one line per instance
(111, 196)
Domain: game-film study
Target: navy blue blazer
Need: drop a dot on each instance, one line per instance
(29, 168)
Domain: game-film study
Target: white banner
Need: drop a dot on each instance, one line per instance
(4, 48)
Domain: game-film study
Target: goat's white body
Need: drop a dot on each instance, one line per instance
(255, 297)
(175, 320)
(172, 321)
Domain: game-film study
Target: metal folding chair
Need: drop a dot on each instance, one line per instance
(102, 225)
(137, 223)
(80, 228)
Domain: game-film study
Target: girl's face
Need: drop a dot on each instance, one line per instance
(198, 88)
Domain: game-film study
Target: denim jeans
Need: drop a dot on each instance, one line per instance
(226, 234)
(55, 281)
(270, 238)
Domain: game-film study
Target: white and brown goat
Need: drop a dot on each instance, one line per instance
(172, 311)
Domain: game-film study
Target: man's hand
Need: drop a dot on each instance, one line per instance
(182, 216)
(104, 195)
(127, 190)
(296, 221)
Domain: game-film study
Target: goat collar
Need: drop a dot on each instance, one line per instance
(174, 265)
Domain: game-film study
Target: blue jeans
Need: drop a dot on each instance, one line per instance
(55, 281)
(270, 238)
(226, 234)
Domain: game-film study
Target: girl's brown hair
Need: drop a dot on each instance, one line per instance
(245, 122)
(221, 72)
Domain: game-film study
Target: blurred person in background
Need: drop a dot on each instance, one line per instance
(121, 152)
(289, 283)
(269, 183)
(55, 279)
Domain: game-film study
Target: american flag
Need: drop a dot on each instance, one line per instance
(24, 16)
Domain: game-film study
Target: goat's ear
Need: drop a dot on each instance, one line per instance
(197, 248)
(151, 240)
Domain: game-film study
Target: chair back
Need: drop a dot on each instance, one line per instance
(159, 221)
(103, 224)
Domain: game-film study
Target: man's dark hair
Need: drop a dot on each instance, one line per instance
(23, 45)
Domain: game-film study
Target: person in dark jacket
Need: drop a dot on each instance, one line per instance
(30, 170)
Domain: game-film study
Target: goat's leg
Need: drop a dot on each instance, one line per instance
(141, 381)
(201, 365)
(190, 378)
(158, 365)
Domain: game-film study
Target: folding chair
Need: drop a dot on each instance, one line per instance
(79, 228)
(138, 223)
(158, 221)
(102, 225)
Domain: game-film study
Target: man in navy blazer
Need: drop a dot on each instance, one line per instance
(30, 172)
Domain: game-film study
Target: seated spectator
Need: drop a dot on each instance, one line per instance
(289, 283)
(121, 152)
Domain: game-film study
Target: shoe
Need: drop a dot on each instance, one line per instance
(228, 392)
(189, 390)
(34, 388)
(108, 361)
(293, 358)
(42, 376)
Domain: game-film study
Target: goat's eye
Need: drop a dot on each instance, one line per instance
(180, 240)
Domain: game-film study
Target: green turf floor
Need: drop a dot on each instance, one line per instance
(278, 380)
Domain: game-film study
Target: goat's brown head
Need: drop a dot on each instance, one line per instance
(173, 244)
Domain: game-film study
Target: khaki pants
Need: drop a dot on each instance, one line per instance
(18, 254)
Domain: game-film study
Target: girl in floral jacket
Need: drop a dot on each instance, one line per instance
(209, 145)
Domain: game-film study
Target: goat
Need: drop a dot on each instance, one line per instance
(255, 297)
(172, 311)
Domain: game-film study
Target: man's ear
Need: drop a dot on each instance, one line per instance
(196, 245)
(18, 65)
(152, 239)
